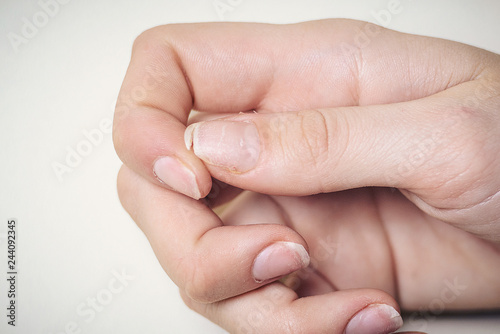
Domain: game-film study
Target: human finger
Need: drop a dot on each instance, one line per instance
(277, 309)
(438, 150)
(206, 259)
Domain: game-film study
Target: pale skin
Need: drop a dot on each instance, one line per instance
(378, 152)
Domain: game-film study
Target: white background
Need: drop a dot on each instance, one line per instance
(61, 81)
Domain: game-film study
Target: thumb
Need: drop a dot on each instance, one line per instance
(441, 151)
(324, 150)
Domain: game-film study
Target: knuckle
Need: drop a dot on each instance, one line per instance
(199, 287)
(146, 37)
(190, 303)
(194, 291)
(314, 138)
(209, 311)
(309, 137)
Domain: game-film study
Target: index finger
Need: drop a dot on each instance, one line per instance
(172, 71)
(235, 67)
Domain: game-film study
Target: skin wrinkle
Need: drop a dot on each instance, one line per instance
(473, 188)
(195, 281)
(437, 226)
(262, 103)
(188, 81)
(465, 211)
(450, 78)
(382, 201)
(318, 157)
(475, 183)
(466, 168)
(325, 279)
(326, 144)
(480, 67)
(408, 70)
(290, 223)
(394, 266)
(304, 131)
(180, 64)
(282, 144)
(167, 51)
(204, 293)
(345, 133)
(427, 81)
(358, 65)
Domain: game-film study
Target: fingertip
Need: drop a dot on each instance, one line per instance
(238, 259)
(375, 318)
(175, 174)
(274, 308)
(234, 146)
(279, 259)
(150, 143)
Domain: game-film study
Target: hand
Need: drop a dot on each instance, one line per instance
(400, 127)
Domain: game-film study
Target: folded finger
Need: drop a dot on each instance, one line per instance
(208, 260)
(276, 309)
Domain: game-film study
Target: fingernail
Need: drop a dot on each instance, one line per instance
(233, 145)
(279, 259)
(177, 176)
(375, 319)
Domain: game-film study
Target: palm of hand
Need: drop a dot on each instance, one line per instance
(376, 238)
